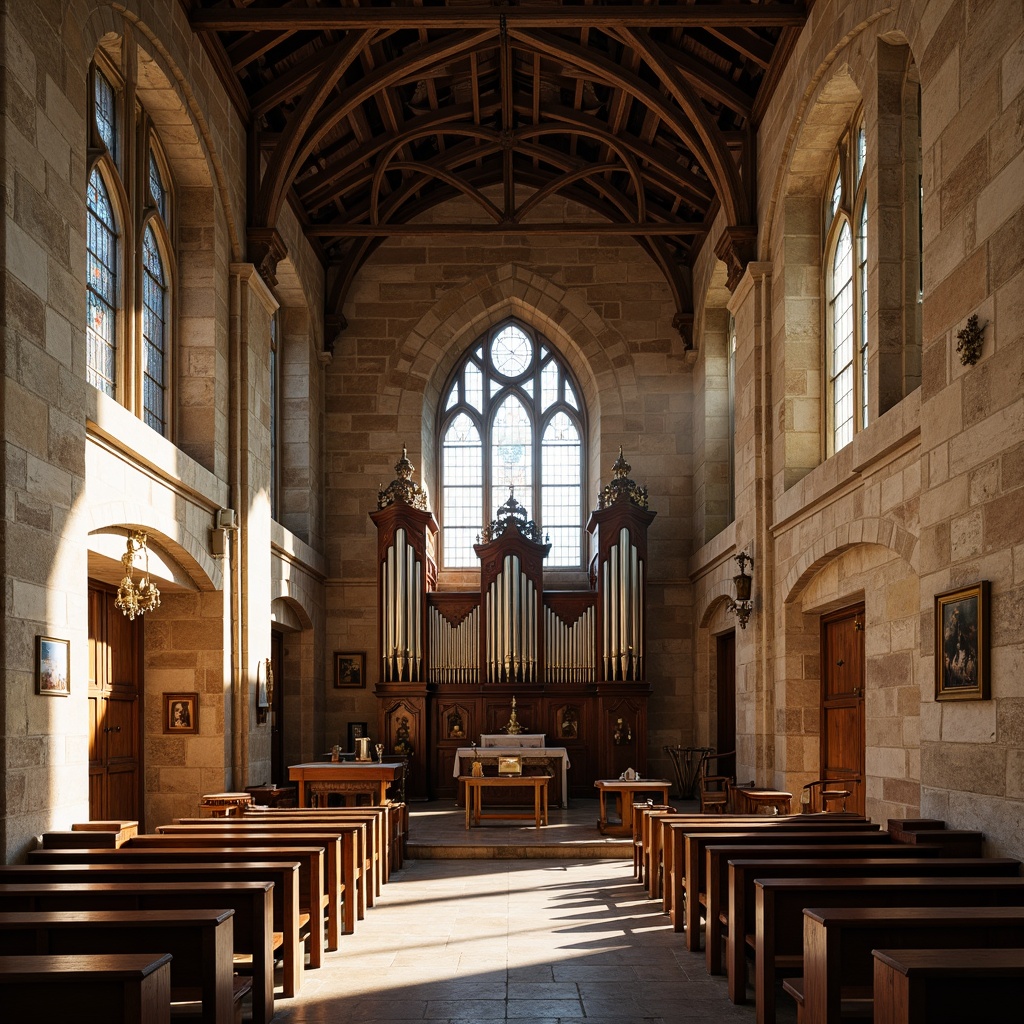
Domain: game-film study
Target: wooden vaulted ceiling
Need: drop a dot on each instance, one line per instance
(363, 114)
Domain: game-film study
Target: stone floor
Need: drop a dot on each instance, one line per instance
(535, 940)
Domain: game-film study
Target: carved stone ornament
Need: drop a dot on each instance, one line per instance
(403, 489)
(266, 250)
(736, 248)
(683, 323)
(512, 512)
(621, 487)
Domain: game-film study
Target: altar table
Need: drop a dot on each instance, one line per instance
(625, 792)
(476, 784)
(350, 779)
(532, 757)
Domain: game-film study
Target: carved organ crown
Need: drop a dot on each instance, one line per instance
(512, 632)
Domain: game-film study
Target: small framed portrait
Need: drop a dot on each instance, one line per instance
(53, 666)
(356, 731)
(961, 643)
(349, 670)
(181, 713)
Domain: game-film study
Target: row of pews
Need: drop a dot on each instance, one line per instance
(192, 920)
(854, 923)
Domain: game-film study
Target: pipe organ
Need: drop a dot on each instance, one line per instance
(575, 659)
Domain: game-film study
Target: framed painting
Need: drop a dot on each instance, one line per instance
(181, 713)
(53, 666)
(349, 670)
(962, 643)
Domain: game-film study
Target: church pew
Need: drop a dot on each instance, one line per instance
(949, 986)
(659, 857)
(199, 941)
(369, 869)
(774, 926)
(838, 942)
(288, 920)
(674, 881)
(391, 824)
(385, 820)
(124, 988)
(695, 881)
(252, 902)
(829, 845)
(333, 887)
(349, 838)
(379, 847)
(309, 858)
(643, 816)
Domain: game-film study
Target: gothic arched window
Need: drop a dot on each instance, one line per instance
(511, 417)
(130, 276)
(846, 291)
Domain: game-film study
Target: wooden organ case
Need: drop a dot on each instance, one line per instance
(451, 662)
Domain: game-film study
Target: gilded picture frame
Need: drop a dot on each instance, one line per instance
(962, 643)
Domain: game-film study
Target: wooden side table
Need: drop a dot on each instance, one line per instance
(476, 784)
(624, 792)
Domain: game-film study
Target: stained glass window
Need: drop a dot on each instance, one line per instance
(511, 419)
(101, 288)
(105, 112)
(154, 328)
(156, 186)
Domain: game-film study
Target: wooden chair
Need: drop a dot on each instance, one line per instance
(827, 795)
(714, 790)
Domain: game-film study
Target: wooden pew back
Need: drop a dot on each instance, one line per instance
(778, 924)
(199, 941)
(252, 902)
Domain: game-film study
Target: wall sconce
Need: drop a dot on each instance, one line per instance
(131, 599)
(742, 605)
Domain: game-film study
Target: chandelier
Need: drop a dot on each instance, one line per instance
(135, 599)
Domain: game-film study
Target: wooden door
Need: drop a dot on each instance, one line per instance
(277, 765)
(115, 719)
(842, 700)
(725, 702)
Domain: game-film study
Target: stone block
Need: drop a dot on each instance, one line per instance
(963, 767)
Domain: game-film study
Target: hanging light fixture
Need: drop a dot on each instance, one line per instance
(135, 599)
(742, 606)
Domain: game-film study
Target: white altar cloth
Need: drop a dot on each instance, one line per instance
(550, 753)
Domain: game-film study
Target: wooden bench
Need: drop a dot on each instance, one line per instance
(199, 941)
(642, 815)
(775, 929)
(675, 842)
(309, 858)
(949, 986)
(347, 860)
(658, 858)
(392, 826)
(287, 921)
(838, 942)
(126, 988)
(252, 902)
(827, 845)
(380, 821)
(375, 870)
(333, 887)
(695, 881)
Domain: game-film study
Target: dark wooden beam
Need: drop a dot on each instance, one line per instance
(486, 15)
(648, 229)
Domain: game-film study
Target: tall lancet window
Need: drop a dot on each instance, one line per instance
(846, 290)
(130, 274)
(511, 418)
